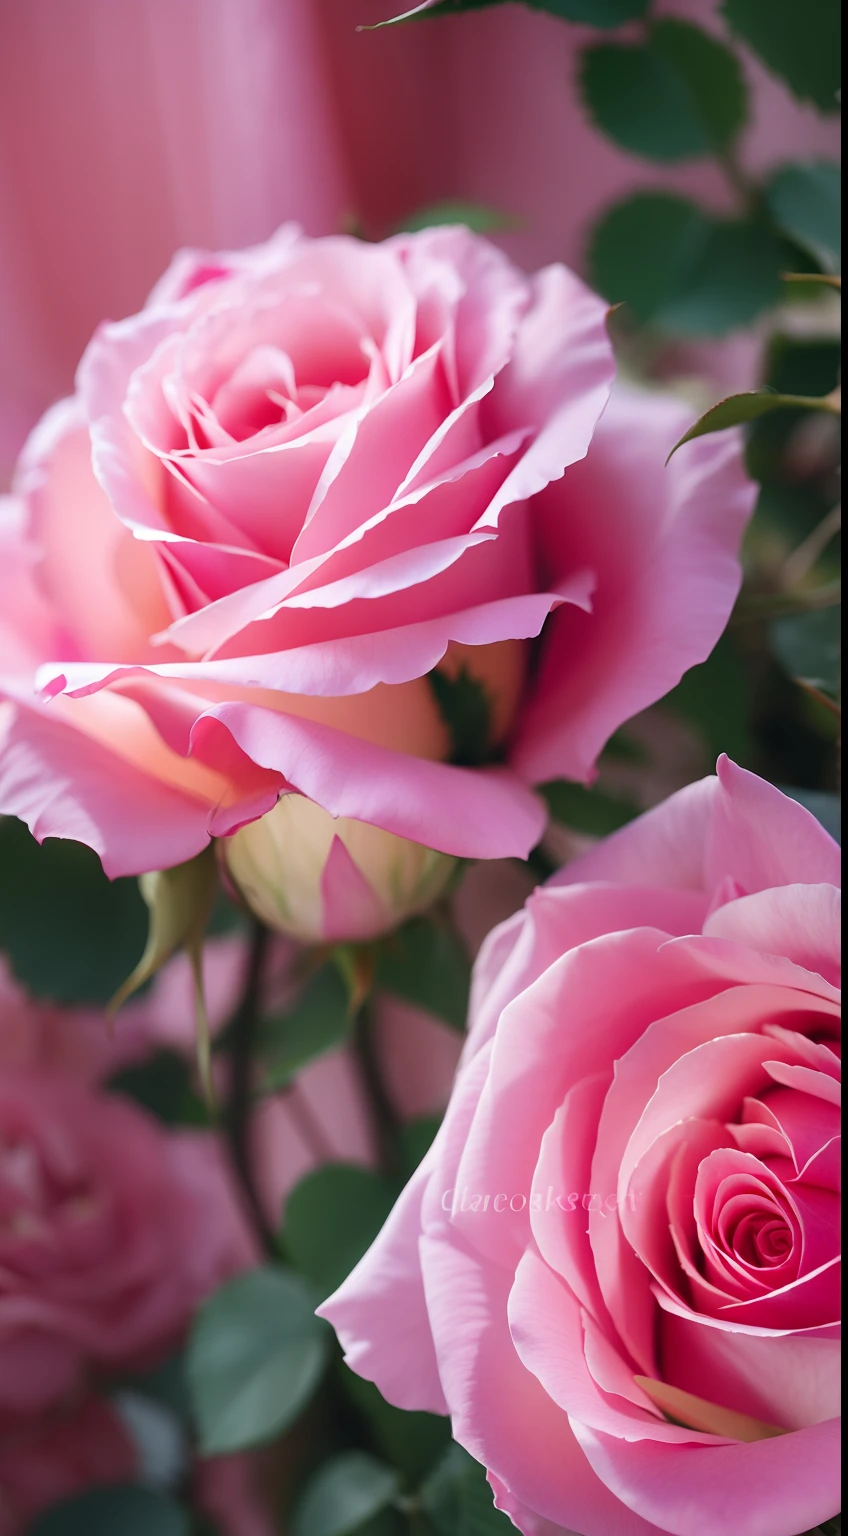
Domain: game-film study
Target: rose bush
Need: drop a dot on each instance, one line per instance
(304, 477)
(111, 1232)
(617, 1266)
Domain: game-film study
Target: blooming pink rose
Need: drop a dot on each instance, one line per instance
(111, 1231)
(306, 475)
(617, 1266)
(50, 1457)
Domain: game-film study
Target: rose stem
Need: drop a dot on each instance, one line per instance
(385, 1121)
(242, 1033)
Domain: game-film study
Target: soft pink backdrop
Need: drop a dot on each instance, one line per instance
(131, 127)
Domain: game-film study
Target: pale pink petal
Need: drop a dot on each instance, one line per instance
(801, 922)
(772, 1487)
(380, 1313)
(764, 838)
(133, 821)
(665, 846)
(499, 1411)
(473, 814)
(663, 543)
(352, 910)
(786, 1379)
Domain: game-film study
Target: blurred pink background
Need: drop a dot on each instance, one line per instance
(131, 127)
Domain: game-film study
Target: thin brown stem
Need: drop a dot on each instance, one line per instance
(384, 1117)
(309, 1128)
(242, 1034)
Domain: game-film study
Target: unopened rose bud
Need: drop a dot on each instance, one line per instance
(330, 881)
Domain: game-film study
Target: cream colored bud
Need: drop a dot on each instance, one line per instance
(330, 881)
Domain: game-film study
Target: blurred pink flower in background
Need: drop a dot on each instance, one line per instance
(112, 1231)
(49, 1457)
(129, 129)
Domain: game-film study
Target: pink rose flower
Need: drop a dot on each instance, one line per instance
(617, 1266)
(306, 475)
(51, 1457)
(111, 1231)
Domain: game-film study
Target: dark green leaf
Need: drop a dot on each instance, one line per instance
(603, 14)
(464, 706)
(458, 1498)
(640, 247)
(318, 1022)
(715, 698)
(71, 934)
(622, 748)
(416, 1139)
(595, 13)
(475, 215)
(806, 202)
(343, 1494)
(809, 647)
(826, 808)
(124, 1509)
(735, 276)
(800, 43)
(587, 810)
(256, 1355)
(163, 1086)
(412, 1442)
(166, 1384)
(680, 93)
(425, 963)
(737, 409)
(332, 1217)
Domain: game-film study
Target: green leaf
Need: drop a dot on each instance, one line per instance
(595, 13)
(679, 94)
(343, 1494)
(826, 808)
(318, 1022)
(587, 810)
(162, 1085)
(805, 201)
(332, 1217)
(412, 1442)
(476, 216)
(458, 1498)
(736, 409)
(416, 1139)
(640, 247)
(682, 271)
(425, 963)
(809, 647)
(800, 43)
(715, 698)
(256, 1355)
(124, 1509)
(464, 706)
(70, 933)
(603, 14)
(735, 276)
(165, 1384)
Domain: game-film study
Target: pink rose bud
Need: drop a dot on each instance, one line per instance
(326, 881)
